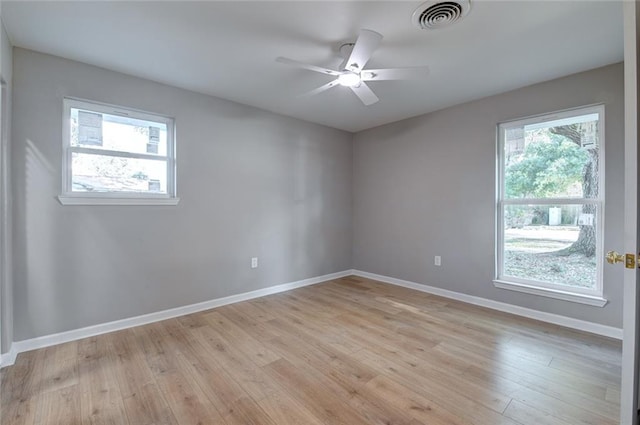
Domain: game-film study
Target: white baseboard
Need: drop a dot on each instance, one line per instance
(556, 319)
(45, 341)
(9, 358)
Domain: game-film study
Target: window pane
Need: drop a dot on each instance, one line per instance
(102, 173)
(551, 243)
(117, 133)
(553, 159)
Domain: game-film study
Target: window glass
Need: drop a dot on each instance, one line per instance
(110, 150)
(550, 201)
(102, 173)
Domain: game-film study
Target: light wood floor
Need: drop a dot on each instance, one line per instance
(350, 351)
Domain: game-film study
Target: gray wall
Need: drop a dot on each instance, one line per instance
(6, 282)
(251, 183)
(426, 186)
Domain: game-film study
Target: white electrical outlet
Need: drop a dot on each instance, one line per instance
(437, 260)
(254, 262)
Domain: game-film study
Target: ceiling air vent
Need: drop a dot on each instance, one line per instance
(439, 14)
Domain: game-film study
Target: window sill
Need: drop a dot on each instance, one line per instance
(85, 200)
(552, 293)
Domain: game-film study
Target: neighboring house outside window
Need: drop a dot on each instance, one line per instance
(118, 156)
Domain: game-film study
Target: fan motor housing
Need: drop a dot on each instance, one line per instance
(440, 14)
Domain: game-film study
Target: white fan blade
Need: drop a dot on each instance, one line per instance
(308, 66)
(366, 43)
(365, 94)
(412, 73)
(321, 88)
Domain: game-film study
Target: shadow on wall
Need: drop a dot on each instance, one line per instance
(308, 206)
(71, 257)
(286, 213)
(37, 273)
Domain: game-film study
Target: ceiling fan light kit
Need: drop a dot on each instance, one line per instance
(352, 73)
(349, 79)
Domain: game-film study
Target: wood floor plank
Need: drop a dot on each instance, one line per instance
(132, 371)
(306, 323)
(242, 340)
(21, 387)
(419, 407)
(257, 327)
(198, 363)
(147, 406)
(329, 408)
(339, 373)
(450, 394)
(60, 367)
(213, 381)
(21, 411)
(495, 368)
(349, 351)
(100, 401)
(285, 410)
(523, 413)
(188, 406)
(246, 411)
(563, 409)
(158, 351)
(192, 321)
(24, 378)
(598, 373)
(59, 407)
(246, 373)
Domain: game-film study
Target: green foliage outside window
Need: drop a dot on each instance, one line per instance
(545, 168)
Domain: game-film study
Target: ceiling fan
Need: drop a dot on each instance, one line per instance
(352, 73)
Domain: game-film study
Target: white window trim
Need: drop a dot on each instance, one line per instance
(85, 200)
(68, 197)
(593, 297)
(592, 300)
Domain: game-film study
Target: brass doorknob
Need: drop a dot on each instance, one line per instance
(613, 257)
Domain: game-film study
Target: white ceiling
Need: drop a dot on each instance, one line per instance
(228, 49)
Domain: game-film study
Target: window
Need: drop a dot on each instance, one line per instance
(116, 156)
(550, 205)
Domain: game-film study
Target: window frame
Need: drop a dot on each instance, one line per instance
(69, 197)
(590, 296)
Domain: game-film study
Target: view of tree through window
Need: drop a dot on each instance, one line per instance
(550, 201)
